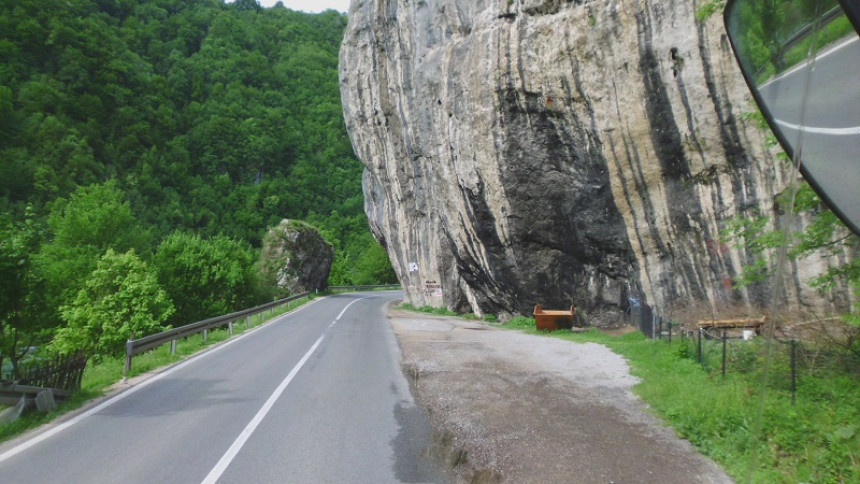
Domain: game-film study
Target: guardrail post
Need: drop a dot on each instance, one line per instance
(173, 347)
(230, 327)
(129, 350)
(205, 335)
(247, 322)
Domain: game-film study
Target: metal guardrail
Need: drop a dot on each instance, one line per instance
(137, 346)
(800, 34)
(364, 288)
(804, 31)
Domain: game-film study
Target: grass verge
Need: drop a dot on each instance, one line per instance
(490, 318)
(815, 439)
(99, 376)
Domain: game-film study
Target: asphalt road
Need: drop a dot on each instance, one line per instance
(831, 121)
(315, 396)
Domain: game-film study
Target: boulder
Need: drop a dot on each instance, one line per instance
(296, 258)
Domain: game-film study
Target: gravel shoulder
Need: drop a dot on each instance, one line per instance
(511, 407)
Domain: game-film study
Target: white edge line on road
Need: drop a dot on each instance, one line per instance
(107, 403)
(811, 129)
(803, 64)
(249, 429)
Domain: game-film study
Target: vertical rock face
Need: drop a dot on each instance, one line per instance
(552, 151)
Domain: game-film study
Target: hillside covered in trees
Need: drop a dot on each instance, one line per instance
(162, 138)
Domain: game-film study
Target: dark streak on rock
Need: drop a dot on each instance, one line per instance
(546, 164)
(733, 147)
(685, 100)
(683, 205)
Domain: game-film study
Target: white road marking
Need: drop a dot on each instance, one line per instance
(243, 437)
(107, 403)
(829, 131)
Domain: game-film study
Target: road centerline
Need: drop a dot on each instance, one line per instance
(234, 449)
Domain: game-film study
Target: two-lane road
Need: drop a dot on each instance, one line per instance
(315, 396)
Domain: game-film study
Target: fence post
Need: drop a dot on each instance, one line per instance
(699, 347)
(793, 370)
(724, 353)
(670, 331)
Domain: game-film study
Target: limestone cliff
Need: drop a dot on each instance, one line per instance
(553, 151)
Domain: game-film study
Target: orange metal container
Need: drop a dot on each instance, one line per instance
(551, 320)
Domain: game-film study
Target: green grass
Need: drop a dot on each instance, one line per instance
(837, 30)
(489, 318)
(829, 34)
(817, 439)
(98, 376)
(428, 310)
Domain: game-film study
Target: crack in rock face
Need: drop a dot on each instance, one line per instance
(556, 152)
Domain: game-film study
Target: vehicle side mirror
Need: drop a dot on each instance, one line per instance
(801, 60)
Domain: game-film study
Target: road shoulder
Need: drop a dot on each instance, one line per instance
(511, 407)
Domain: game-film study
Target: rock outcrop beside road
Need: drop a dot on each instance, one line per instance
(510, 407)
(547, 151)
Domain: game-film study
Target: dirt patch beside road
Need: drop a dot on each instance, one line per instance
(511, 407)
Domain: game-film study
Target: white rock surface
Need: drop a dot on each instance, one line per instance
(553, 151)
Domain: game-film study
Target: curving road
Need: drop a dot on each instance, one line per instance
(315, 396)
(824, 120)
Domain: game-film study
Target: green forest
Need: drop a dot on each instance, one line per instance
(145, 149)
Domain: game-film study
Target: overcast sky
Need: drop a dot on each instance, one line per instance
(311, 5)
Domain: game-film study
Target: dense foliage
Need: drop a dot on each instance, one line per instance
(121, 297)
(770, 33)
(181, 129)
(211, 276)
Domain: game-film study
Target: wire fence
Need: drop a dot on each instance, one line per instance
(741, 348)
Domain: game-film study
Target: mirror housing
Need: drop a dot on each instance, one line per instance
(801, 61)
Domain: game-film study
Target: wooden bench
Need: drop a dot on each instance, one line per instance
(754, 323)
(551, 320)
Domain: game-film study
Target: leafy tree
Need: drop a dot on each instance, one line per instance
(373, 267)
(822, 233)
(95, 218)
(120, 298)
(22, 318)
(359, 259)
(206, 277)
(208, 118)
